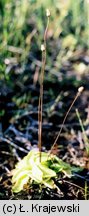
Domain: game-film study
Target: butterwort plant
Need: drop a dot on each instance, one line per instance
(37, 166)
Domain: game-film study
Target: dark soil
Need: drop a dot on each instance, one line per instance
(19, 125)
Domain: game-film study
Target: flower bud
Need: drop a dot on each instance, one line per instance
(42, 47)
(80, 89)
(47, 12)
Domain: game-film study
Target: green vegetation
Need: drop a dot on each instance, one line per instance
(31, 47)
(21, 20)
(30, 169)
(38, 166)
(85, 138)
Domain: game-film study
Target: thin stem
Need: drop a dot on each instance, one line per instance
(85, 138)
(77, 95)
(86, 190)
(40, 107)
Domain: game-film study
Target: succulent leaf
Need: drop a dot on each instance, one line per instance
(30, 168)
